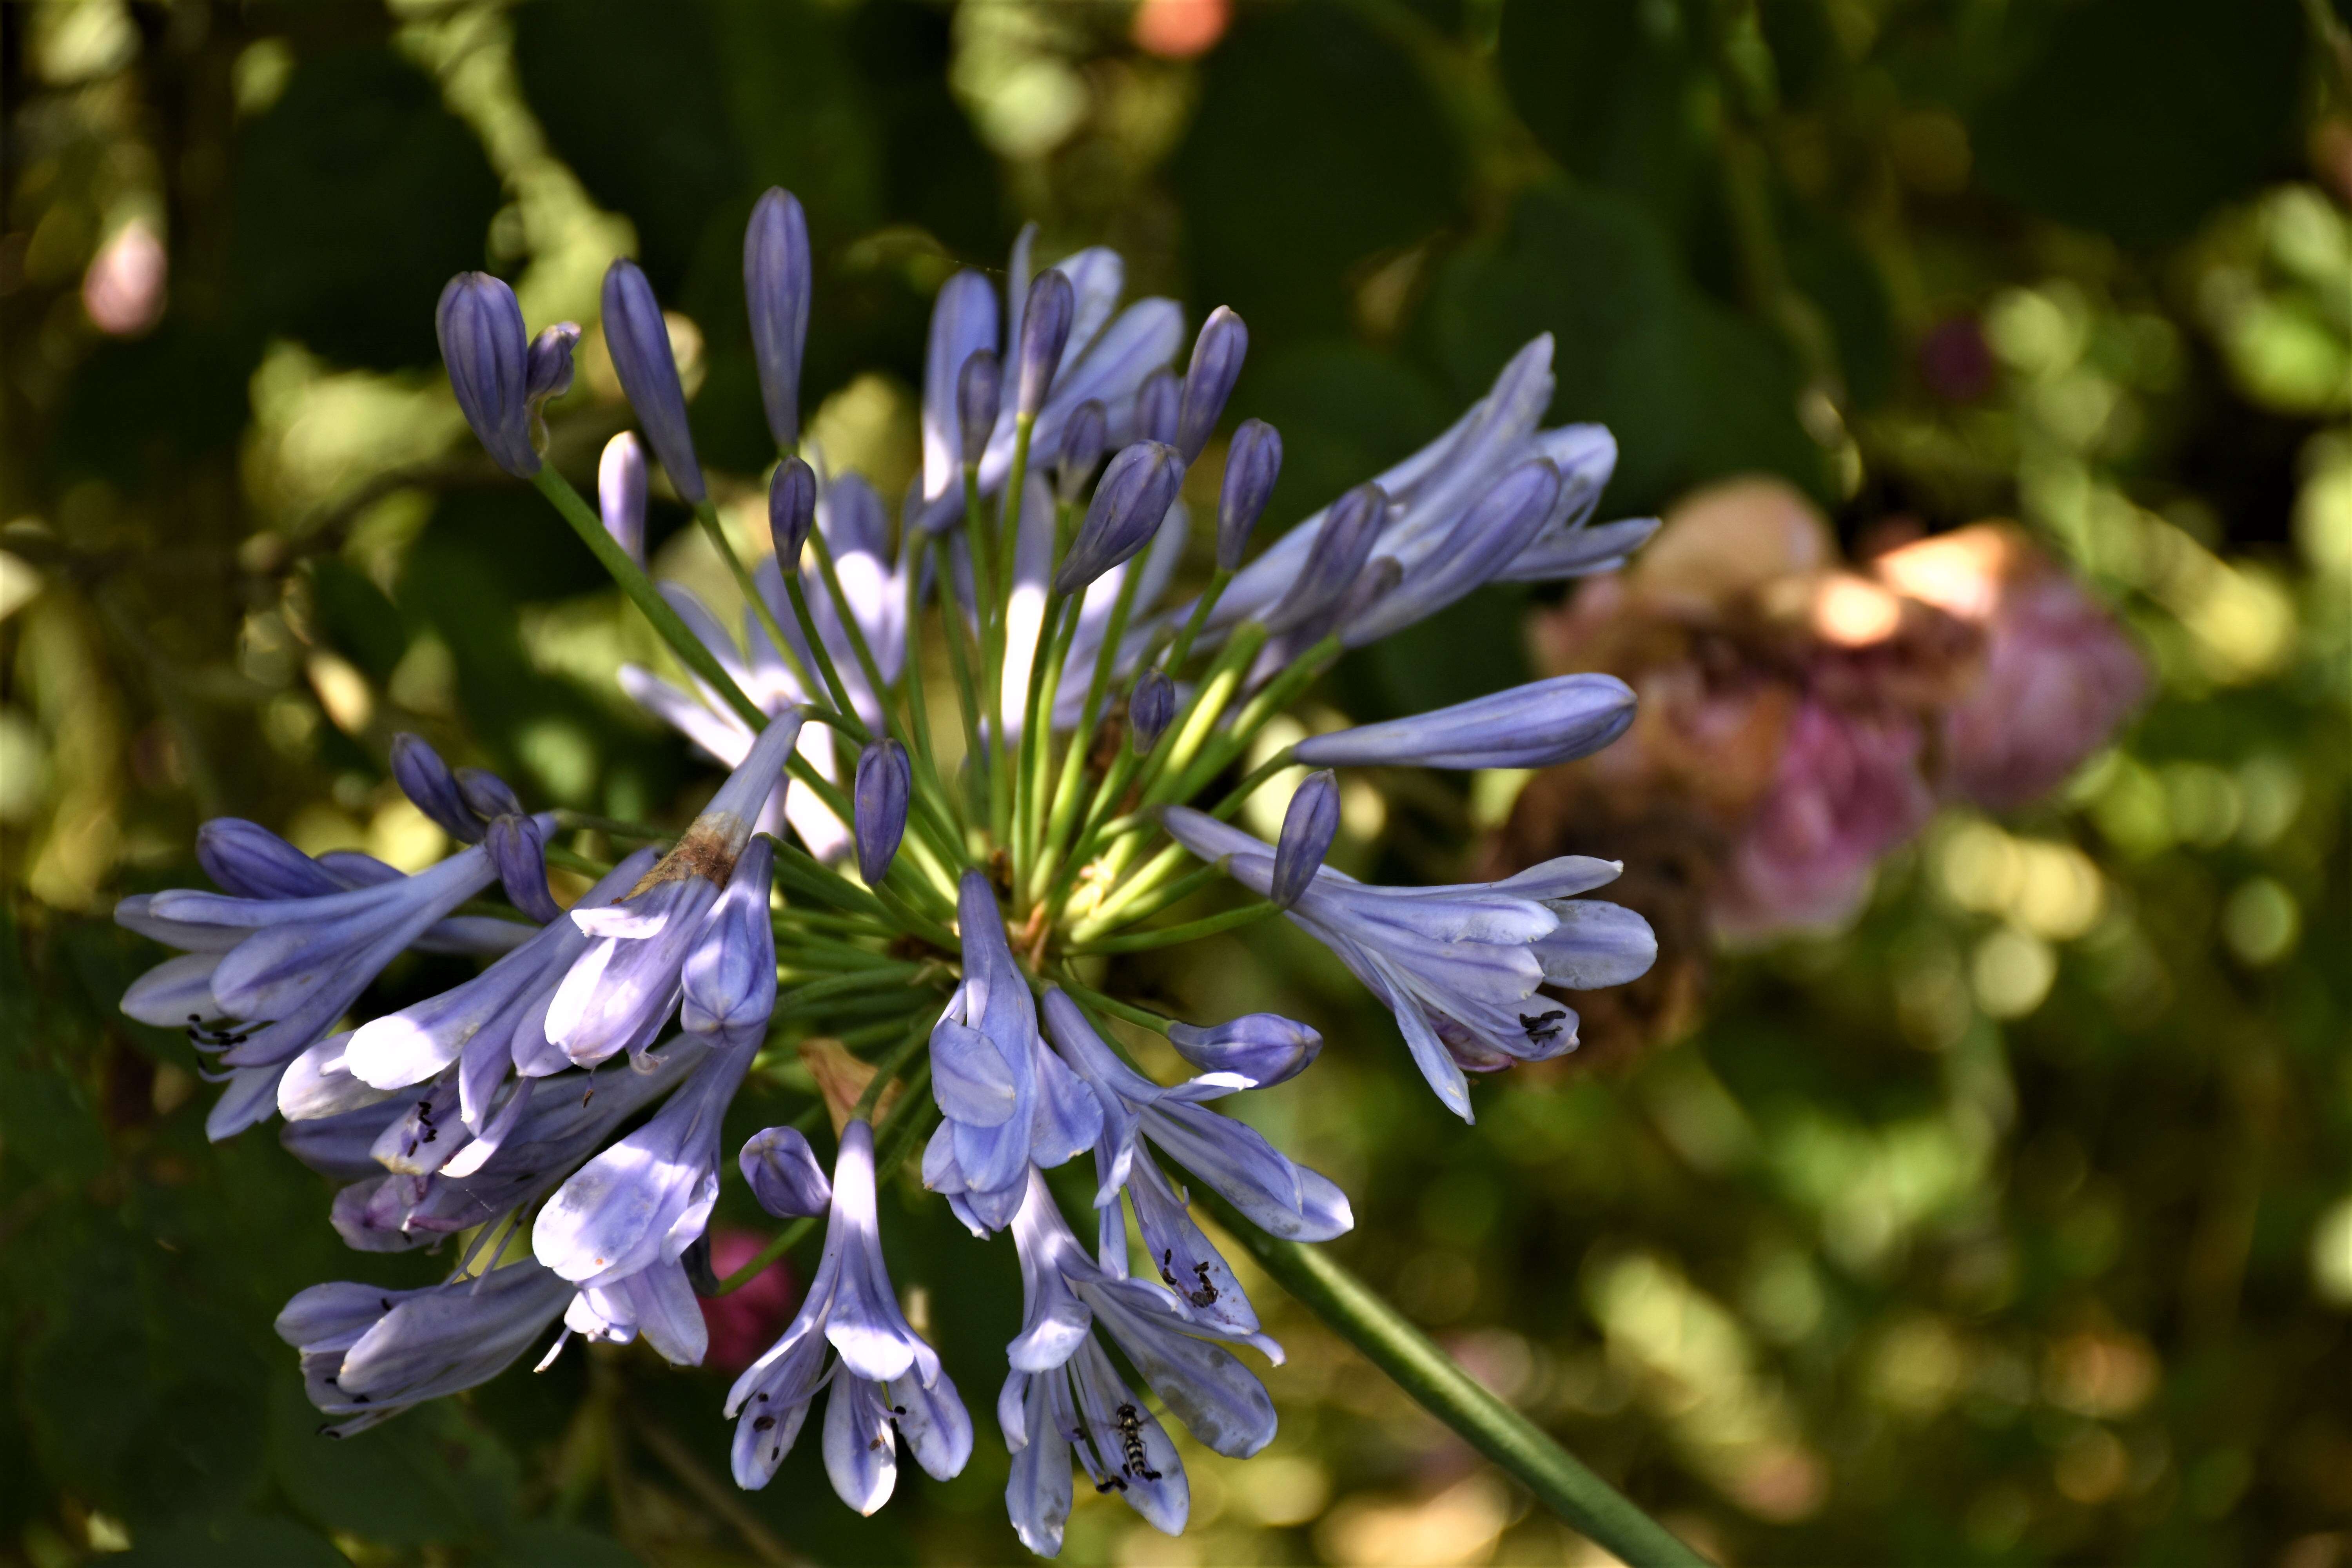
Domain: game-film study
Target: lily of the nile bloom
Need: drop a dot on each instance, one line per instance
(1462, 967)
(777, 278)
(565, 1121)
(886, 1378)
(369, 1353)
(621, 1226)
(1063, 1390)
(619, 993)
(1104, 358)
(1007, 1102)
(885, 781)
(1536, 725)
(1463, 511)
(465, 1042)
(783, 1172)
(269, 971)
(1279, 1196)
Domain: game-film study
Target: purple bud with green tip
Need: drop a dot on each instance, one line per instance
(776, 285)
(1307, 829)
(482, 343)
(885, 780)
(1217, 355)
(1253, 462)
(1127, 508)
(640, 341)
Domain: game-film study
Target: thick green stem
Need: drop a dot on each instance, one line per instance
(1558, 1480)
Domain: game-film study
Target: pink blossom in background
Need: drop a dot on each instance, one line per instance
(123, 288)
(2060, 673)
(744, 1322)
(1847, 790)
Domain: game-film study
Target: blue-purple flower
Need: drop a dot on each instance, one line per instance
(1461, 967)
(887, 1384)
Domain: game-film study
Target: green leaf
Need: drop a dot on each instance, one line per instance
(2139, 117)
(1315, 147)
(242, 1541)
(430, 1474)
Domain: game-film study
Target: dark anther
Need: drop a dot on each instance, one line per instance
(1543, 1025)
(1166, 1268)
(1207, 1294)
(761, 1424)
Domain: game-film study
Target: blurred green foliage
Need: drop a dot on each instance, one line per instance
(2013, 1226)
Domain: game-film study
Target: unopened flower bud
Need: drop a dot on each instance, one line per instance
(885, 780)
(791, 509)
(1350, 527)
(1158, 403)
(1217, 355)
(518, 849)
(1307, 829)
(1265, 1048)
(1084, 436)
(621, 493)
(1538, 725)
(979, 388)
(547, 368)
(1127, 508)
(429, 785)
(776, 285)
(482, 343)
(1150, 708)
(640, 341)
(1045, 332)
(486, 795)
(784, 1173)
(1253, 462)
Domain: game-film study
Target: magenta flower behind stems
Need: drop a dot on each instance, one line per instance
(886, 1376)
(2060, 675)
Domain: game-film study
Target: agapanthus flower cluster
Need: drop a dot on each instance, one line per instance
(941, 909)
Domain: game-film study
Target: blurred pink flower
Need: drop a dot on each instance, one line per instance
(123, 288)
(1848, 789)
(744, 1322)
(2060, 673)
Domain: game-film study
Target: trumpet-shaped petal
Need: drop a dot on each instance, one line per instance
(368, 1354)
(1462, 966)
(1532, 726)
